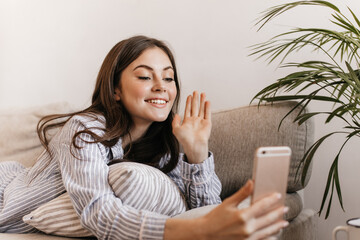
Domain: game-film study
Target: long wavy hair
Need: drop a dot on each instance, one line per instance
(158, 141)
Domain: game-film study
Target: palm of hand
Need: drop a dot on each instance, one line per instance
(194, 131)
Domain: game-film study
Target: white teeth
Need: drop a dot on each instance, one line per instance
(156, 101)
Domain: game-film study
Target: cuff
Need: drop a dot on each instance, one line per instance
(153, 226)
(197, 173)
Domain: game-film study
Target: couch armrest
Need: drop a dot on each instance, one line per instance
(19, 140)
(238, 132)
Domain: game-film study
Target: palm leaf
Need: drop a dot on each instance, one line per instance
(308, 156)
(334, 177)
(326, 81)
(330, 200)
(354, 16)
(277, 10)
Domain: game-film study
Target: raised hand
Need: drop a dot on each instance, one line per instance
(193, 132)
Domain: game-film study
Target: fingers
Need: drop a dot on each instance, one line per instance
(270, 230)
(207, 114)
(272, 217)
(260, 207)
(271, 238)
(264, 226)
(195, 108)
(195, 104)
(188, 106)
(268, 222)
(202, 105)
(241, 194)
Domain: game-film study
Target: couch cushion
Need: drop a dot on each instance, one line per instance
(19, 141)
(236, 134)
(303, 227)
(295, 204)
(138, 185)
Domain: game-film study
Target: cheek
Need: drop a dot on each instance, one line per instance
(137, 90)
(173, 91)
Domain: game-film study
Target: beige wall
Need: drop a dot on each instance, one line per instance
(51, 50)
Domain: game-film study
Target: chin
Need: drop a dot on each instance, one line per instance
(160, 119)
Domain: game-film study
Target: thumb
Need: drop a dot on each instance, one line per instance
(241, 194)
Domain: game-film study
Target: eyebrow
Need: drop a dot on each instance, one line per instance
(150, 68)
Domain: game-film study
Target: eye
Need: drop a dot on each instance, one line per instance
(169, 79)
(144, 78)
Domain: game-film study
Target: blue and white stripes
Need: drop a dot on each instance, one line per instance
(86, 181)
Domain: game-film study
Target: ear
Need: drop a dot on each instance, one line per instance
(117, 94)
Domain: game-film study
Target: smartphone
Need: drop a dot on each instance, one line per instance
(270, 172)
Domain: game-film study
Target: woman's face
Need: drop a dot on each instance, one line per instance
(147, 88)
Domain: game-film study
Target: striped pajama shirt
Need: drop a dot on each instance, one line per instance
(22, 190)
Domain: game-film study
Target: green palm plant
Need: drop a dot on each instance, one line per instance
(335, 81)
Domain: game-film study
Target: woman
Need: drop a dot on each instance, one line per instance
(132, 117)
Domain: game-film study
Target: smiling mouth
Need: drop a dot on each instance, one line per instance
(156, 101)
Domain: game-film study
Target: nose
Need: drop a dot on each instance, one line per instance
(159, 85)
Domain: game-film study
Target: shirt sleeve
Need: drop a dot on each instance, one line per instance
(198, 182)
(85, 176)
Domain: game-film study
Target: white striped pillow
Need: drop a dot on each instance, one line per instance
(137, 185)
(147, 188)
(57, 217)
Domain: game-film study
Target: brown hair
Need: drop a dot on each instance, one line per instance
(157, 142)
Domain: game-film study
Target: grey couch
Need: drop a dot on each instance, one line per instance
(235, 135)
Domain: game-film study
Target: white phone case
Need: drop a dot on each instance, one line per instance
(270, 172)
